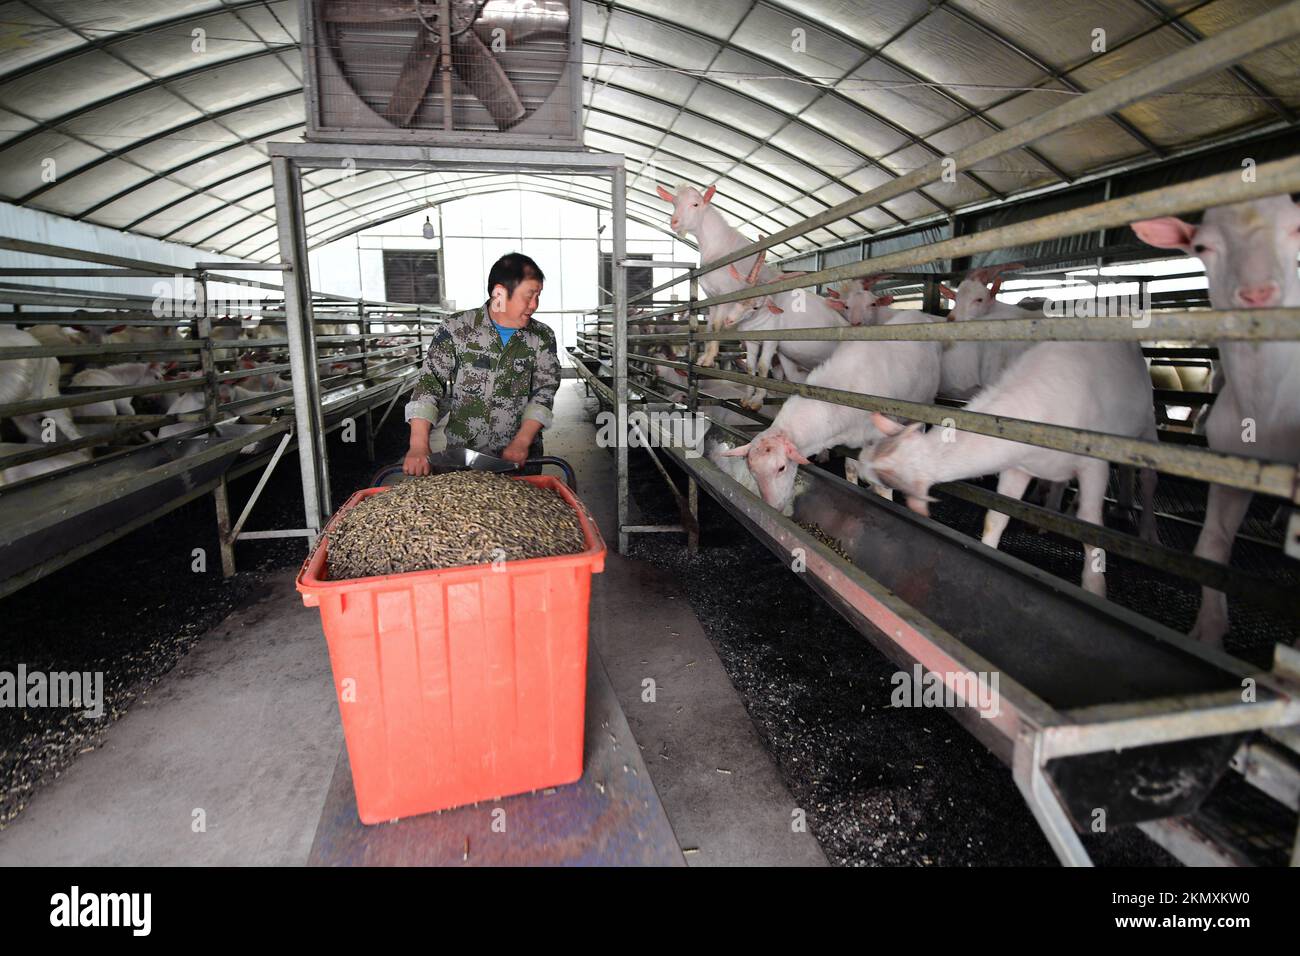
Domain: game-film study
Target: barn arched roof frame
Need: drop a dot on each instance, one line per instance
(141, 137)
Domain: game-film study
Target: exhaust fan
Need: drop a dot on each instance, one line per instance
(469, 72)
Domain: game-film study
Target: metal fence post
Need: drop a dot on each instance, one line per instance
(302, 351)
(363, 318)
(221, 493)
(693, 404)
(618, 210)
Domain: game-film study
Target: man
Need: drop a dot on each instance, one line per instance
(488, 381)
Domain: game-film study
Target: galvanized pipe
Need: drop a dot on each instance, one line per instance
(1252, 474)
(1279, 176)
(1244, 325)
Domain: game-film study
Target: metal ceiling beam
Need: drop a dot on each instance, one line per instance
(453, 186)
(210, 117)
(735, 202)
(867, 56)
(1036, 62)
(173, 170)
(254, 213)
(640, 190)
(322, 186)
(466, 188)
(455, 192)
(1271, 99)
(723, 44)
(837, 180)
(51, 125)
(161, 82)
(124, 151)
(1056, 74)
(969, 109)
(555, 194)
(778, 68)
(600, 55)
(736, 130)
(121, 36)
(234, 7)
(1081, 182)
(972, 114)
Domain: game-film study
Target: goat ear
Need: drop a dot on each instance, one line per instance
(838, 304)
(774, 308)
(792, 452)
(885, 300)
(998, 273)
(708, 193)
(664, 194)
(947, 293)
(832, 293)
(737, 452)
(1167, 232)
(734, 274)
(884, 424)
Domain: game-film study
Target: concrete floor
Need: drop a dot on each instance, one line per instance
(229, 759)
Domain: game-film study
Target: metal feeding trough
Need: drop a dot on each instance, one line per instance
(1104, 715)
(47, 517)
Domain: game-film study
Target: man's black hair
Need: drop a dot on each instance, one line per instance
(512, 269)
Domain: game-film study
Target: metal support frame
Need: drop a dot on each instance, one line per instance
(288, 160)
(1029, 731)
(1027, 769)
(292, 229)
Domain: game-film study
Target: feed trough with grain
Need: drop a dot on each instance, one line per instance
(452, 520)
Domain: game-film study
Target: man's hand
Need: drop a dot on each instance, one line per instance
(416, 461)
(517, 451)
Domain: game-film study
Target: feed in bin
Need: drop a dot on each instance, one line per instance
(442, 521)
(467, 675)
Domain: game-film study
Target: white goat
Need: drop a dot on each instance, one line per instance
(804, 426)
(859, 304)
(794, 309)
(115, 376)
(59, 336)
(31, 378)
(969, 366)
(1100, 386)
(1249, 252)
(694, 214)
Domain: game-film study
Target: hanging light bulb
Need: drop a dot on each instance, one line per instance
(428, 228)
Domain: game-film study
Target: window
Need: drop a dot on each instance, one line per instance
(411, 275)
(639, 278)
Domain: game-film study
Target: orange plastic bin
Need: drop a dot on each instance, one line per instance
(461, 684)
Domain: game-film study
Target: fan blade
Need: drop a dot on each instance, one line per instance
(413, 82)
(374, 11)
(479, 70)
